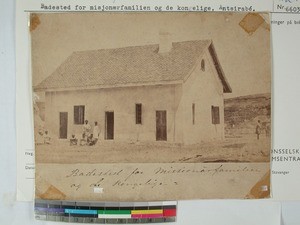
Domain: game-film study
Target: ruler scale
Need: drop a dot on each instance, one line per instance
(105, 212)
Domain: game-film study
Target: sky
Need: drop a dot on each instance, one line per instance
(245, 58)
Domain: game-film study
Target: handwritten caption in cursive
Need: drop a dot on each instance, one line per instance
(137, 177)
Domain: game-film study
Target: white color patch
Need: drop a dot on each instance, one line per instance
(114, 216)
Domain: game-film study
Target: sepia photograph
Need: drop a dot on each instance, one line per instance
(152, 88)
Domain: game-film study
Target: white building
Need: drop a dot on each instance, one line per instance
(168, 92)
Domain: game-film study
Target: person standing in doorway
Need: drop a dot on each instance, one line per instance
(86, 128)
(96, 132)
(47, 138)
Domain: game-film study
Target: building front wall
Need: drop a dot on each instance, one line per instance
(204, 90)
(122, 102)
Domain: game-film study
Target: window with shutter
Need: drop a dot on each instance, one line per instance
(202, 65)
(193, 113)
(79, 114)
(215, 112)
(138, 113)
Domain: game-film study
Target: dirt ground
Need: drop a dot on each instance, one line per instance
(244, 148)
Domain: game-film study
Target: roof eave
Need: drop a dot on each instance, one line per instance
(41, 89)
(222, 77)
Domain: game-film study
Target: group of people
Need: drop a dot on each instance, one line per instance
(42, 137)
(88, 137)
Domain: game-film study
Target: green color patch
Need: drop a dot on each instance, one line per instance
(114, 212)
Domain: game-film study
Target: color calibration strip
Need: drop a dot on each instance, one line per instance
(106, 212)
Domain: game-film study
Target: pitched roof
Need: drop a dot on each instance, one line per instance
(140, 65)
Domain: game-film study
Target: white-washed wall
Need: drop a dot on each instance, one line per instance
(122, 101)
(204, 89)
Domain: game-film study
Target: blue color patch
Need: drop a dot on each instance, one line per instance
(81, 211)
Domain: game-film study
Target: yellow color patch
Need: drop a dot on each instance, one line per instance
(150, 211)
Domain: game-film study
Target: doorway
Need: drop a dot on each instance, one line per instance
(161, 125)
(109, 125)
(63, 125)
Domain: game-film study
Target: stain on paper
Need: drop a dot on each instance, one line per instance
(34, 21)
(8, 199)
(251, 22)
(45, 190)
(52, 193)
